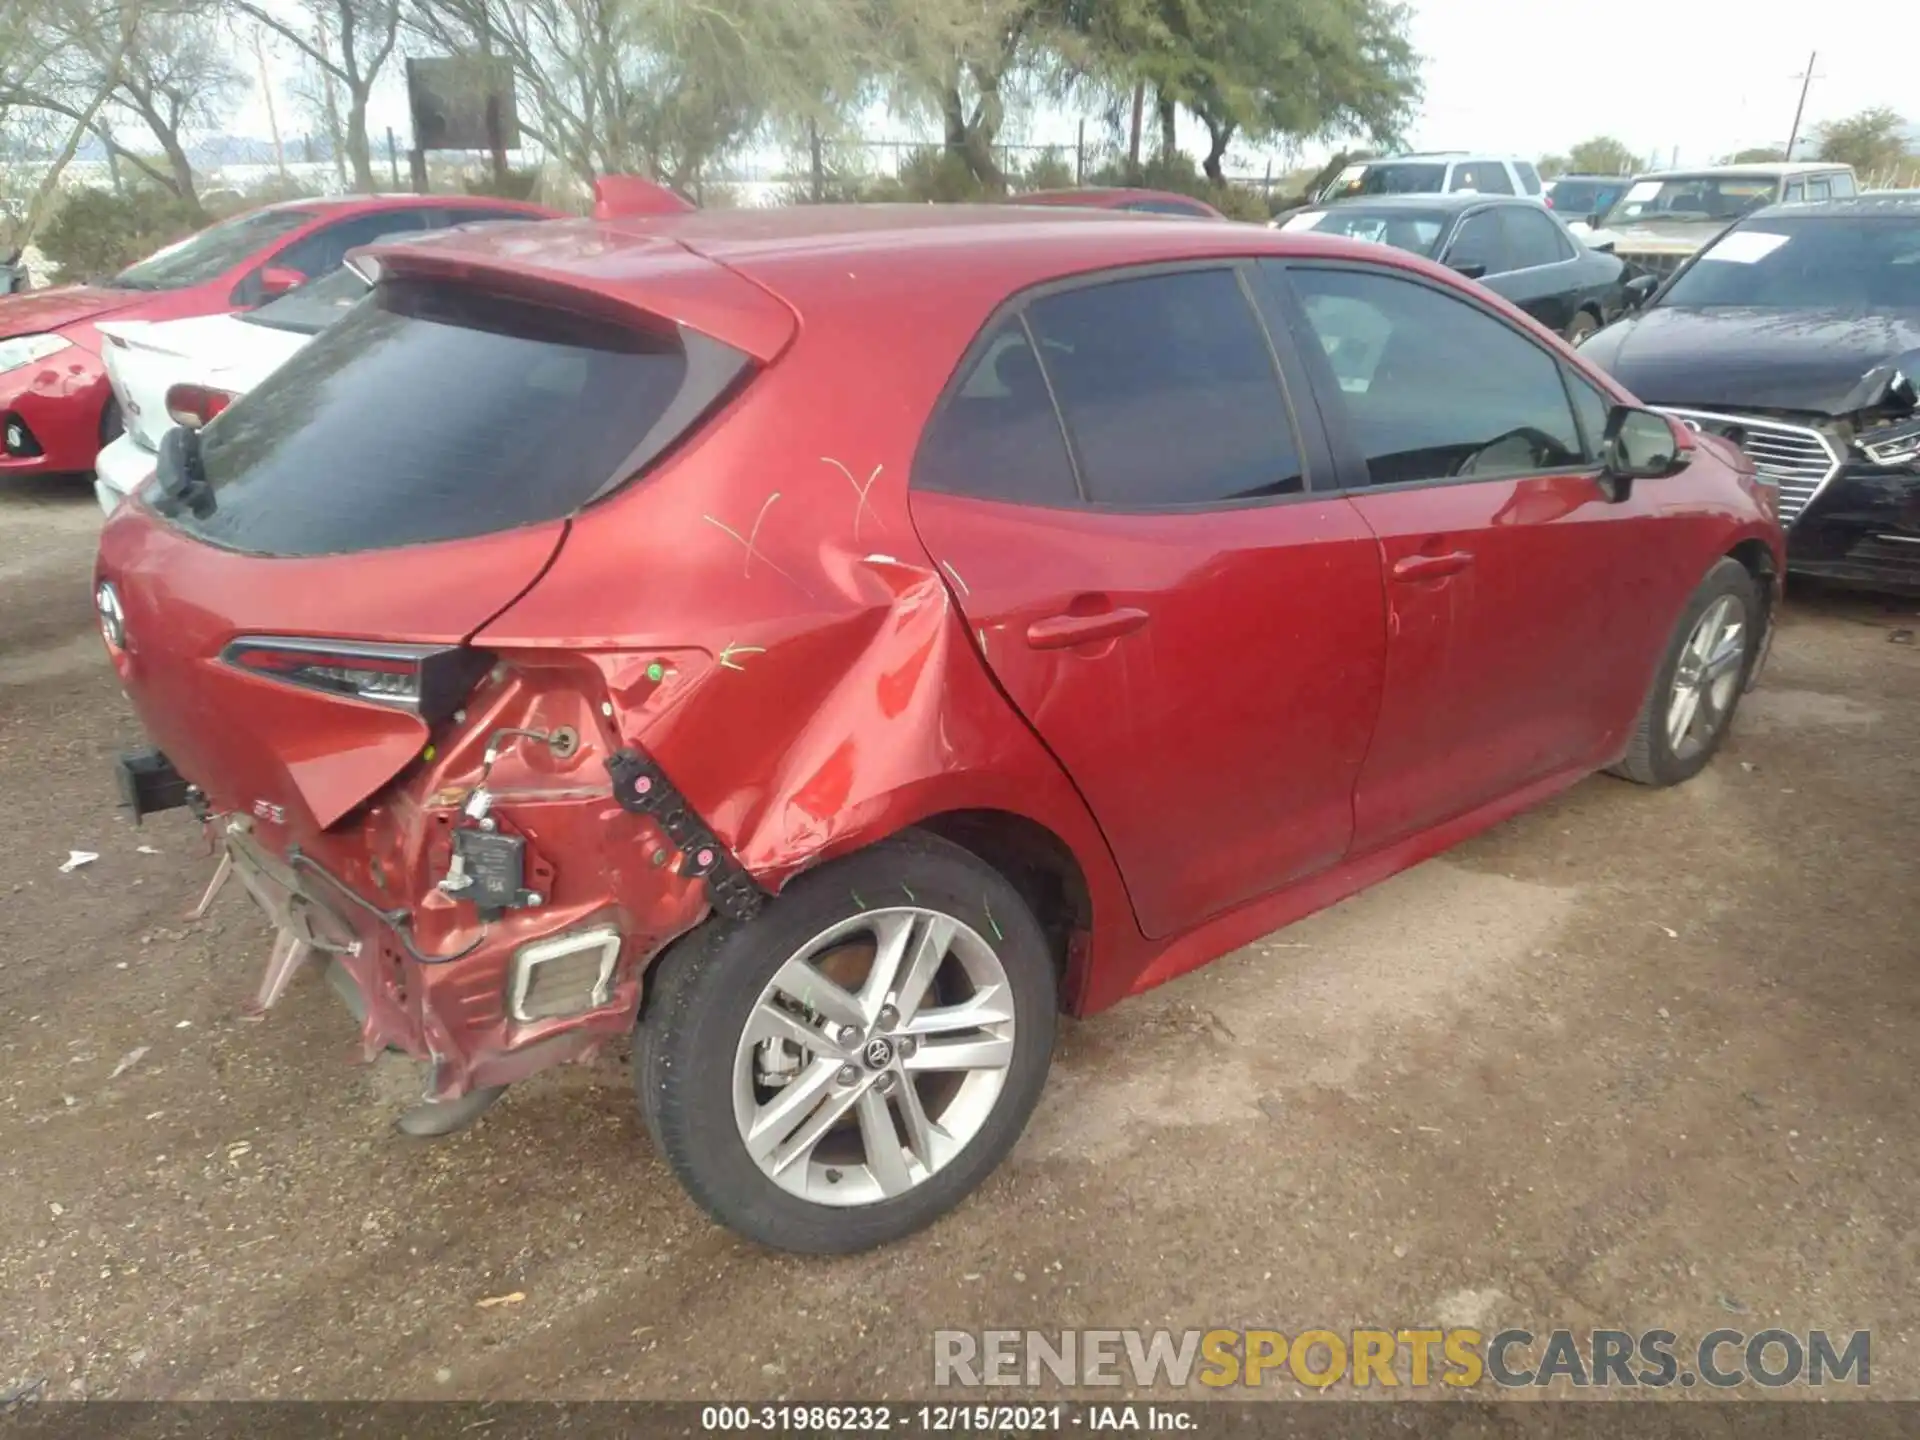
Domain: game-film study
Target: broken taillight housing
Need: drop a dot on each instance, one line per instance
(194, 405)
(431, 681)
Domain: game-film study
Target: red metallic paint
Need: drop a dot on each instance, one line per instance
(836, 665)
(64, 398)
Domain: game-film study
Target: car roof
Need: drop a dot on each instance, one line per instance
(1858, 207)
(958, 262)
(1448, 156)
(1451, 201)
(1767, 170)
(404, 201)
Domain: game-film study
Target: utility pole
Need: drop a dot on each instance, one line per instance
(1806, 78)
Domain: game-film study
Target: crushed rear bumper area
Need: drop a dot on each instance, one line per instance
(488, 1015)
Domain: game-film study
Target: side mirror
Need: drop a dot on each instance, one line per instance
(1640, 289)
(1642, 445)
(277, 280)
(1472, 269)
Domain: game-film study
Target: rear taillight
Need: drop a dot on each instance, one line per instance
(431, 681)
(194, 405)
(1547, 200)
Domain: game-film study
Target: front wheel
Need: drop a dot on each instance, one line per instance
(844, 1068)
(1700, 681)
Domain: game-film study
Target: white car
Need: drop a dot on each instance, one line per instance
(205, 362)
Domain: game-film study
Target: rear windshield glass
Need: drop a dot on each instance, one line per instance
(1577, 199)
(314, 306)
(437, 412)
(1415, 230)
(212, 252)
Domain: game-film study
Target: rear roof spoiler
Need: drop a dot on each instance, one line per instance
(618, 197)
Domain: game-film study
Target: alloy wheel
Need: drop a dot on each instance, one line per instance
(1707, 679)
(851, 1088)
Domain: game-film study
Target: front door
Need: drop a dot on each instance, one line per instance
(1117, 488)
(1513, 581)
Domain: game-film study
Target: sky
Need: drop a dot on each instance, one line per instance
(1698, 77)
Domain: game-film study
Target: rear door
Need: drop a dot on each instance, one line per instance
(1516, 589)
(1119, 487)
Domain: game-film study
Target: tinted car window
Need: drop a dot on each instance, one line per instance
(327, 247)
(1532, 238)
(1168, 389)
(436, 412)
(1818, 190)
(1433, 387)
(1399, 178)
(1486, 177)
(1591, 408)
(1478, 241)
(1415, 231)
(997, 435)
(1529, 178)
(1811, 261)
(1842, 185)
(212, 252)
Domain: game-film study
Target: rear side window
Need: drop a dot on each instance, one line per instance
(1480, 241)
(1842, 184)
(436, 412)
(1529, 178)
(1532, 238)
(996, 435)
(1168, 389)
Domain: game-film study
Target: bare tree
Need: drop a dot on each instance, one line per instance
(348, 42)
(61, 59)
(657, 86)
(177, 71)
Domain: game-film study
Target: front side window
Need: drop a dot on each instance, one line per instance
(1168, 389)
(1479, 242)
(1433, 387)
(1483, 177)
(1391, 178)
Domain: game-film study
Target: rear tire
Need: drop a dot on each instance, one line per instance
(790, 1073)
(1701, 678)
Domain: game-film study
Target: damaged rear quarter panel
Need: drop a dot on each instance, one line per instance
(822, 689)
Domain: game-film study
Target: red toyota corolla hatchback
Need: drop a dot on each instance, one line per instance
(56, 407)
(836, 640)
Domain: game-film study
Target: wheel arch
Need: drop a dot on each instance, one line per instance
(1038, 863)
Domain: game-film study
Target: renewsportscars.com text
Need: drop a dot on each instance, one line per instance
(1413, 1358)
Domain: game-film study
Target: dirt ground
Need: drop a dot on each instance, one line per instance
(1635, 1059)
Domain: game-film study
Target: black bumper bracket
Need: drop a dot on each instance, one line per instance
(642, 788)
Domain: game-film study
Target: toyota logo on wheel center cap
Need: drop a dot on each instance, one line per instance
(878, 1053)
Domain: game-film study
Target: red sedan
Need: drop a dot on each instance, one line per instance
(56, 407)
(834, 641)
